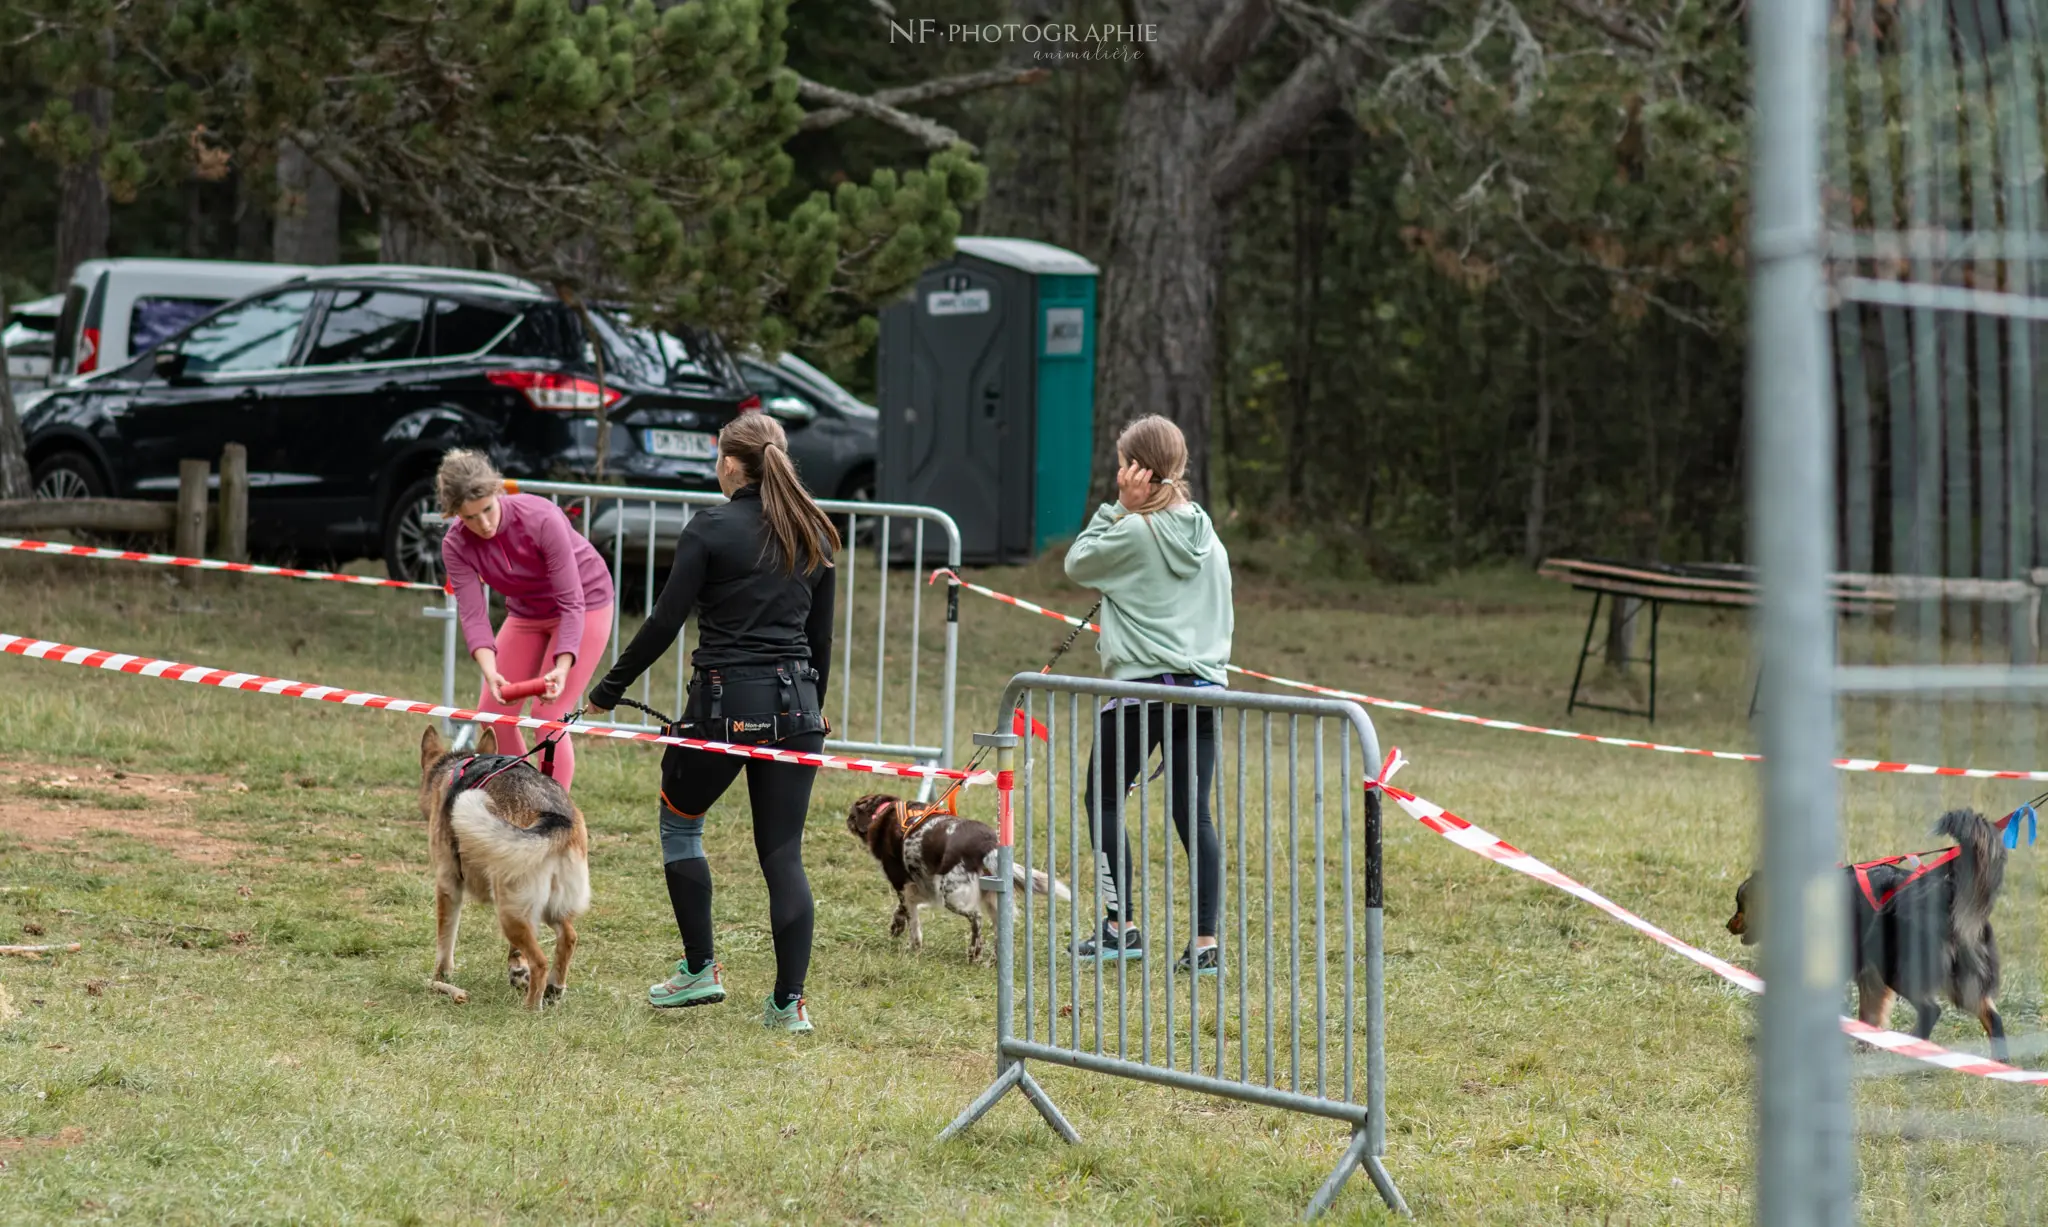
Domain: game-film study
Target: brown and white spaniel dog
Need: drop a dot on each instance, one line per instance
(932, 858)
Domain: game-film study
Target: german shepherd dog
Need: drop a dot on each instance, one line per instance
(1926, 937)
(518, 841)
(937, 861)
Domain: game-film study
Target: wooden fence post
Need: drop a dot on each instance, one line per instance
(234, 503)
(191, 523)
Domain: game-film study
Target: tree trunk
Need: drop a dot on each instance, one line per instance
(252, 217)
(1539, 468)
(1159, 283)
(82, 217)
(308, 226)
(1308, 232)
(401, 242)
(1182, 158)
(198, 238)
(14, 471)
(1624, 611)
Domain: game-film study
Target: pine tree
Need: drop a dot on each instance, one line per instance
(613, 151)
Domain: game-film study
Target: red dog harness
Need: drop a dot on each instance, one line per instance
(1924, 862)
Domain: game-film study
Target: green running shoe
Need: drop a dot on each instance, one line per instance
(706, 987)
(793, 1018)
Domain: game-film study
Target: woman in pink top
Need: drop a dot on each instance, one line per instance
(557, 590)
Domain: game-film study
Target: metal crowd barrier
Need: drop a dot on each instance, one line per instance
(1296, 1001)
(637, 527)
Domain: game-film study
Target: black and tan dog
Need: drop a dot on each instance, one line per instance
(516, 840)
(1921, 928)
(937, 859)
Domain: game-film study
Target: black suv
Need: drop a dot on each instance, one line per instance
(347, 386)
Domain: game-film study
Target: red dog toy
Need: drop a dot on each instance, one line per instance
(524, 690)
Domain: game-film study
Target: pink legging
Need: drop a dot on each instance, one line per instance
(521, 644)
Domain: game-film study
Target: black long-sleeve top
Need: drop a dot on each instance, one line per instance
(751, 609)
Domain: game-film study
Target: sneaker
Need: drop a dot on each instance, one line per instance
(685, 988)
(1208, 960)
(793, 1017)
(1124, 943)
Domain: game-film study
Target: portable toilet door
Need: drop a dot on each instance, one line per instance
(1065, 435)
(987, 384)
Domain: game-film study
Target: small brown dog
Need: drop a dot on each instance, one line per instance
(937, 860)
(515, 839)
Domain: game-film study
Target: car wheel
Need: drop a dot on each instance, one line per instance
(68, 475)
(412, 551)
(74, 475)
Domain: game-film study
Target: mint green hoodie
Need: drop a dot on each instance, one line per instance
(1165, 578)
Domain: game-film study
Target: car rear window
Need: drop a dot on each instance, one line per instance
(369, 326)
(464, 328)
(152, 319)
(543, 332)
(662, 359)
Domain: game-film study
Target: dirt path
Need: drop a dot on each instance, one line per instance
(50, 807)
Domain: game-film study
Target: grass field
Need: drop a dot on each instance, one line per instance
(245, 1036)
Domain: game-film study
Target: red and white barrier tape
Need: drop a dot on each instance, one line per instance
(1484, 843)
(119, 662)
(204, 564)
(1845, 764)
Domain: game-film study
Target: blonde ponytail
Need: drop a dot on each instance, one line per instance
(1156, 444)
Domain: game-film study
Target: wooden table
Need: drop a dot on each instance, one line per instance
(1732, 585)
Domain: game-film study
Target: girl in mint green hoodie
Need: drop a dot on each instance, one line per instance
(1166, 618)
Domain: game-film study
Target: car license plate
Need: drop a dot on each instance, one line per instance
(682, 444)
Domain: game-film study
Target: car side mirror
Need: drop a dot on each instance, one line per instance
(791, 409)
(169, 365)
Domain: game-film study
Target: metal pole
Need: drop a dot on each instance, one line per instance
(450, 645)
(1804, 1173)
(1005, 745)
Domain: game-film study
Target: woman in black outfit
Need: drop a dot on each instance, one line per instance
(758, 572)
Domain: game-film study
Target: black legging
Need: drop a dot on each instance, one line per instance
(692, 781)
(1105, 780)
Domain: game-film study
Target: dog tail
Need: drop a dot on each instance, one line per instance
(499, 844)
(1039, 884)
(1980, 872)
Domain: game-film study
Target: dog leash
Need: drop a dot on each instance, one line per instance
(666, 722)
(662, 717)
(545, 748)
(1020, 724)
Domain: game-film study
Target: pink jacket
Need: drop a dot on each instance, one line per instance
(537, 562)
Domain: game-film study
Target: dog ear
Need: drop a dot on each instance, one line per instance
(431, 748)
(487, 741)
(862, 816)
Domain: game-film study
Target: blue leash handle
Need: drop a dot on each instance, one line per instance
(2012, 822)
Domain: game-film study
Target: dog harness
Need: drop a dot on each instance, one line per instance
(906, 823)
(481, 769)
(1923, 864)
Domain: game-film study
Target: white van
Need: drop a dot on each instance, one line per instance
(115, 309)
(31, 328)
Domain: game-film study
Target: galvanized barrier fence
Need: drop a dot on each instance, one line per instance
(1899, 195)
(1294, 1003)
(877, 710)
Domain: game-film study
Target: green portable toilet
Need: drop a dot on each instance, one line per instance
(987, 378)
